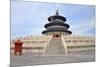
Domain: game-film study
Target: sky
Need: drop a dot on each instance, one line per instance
(29, 18)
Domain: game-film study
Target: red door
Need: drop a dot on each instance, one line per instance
(56, 36)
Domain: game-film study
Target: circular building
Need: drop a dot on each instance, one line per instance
(56, 26)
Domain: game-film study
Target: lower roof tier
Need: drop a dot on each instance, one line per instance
(55, 24)
(67, 31)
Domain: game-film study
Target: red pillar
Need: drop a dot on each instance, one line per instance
(18, 47)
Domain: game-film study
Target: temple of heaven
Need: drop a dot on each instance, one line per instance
(56, 26)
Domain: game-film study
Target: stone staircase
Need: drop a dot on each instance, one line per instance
(55, 47)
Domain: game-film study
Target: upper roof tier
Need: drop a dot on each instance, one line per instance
(57, 16)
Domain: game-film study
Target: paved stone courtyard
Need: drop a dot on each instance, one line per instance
(31, 59)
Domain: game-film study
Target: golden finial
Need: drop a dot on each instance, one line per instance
(57, 13)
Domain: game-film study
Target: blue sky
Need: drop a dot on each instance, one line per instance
(29, 18)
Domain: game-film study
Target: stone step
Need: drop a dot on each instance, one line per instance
(55, 47)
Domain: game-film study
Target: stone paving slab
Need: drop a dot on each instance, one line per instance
(28, 60)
